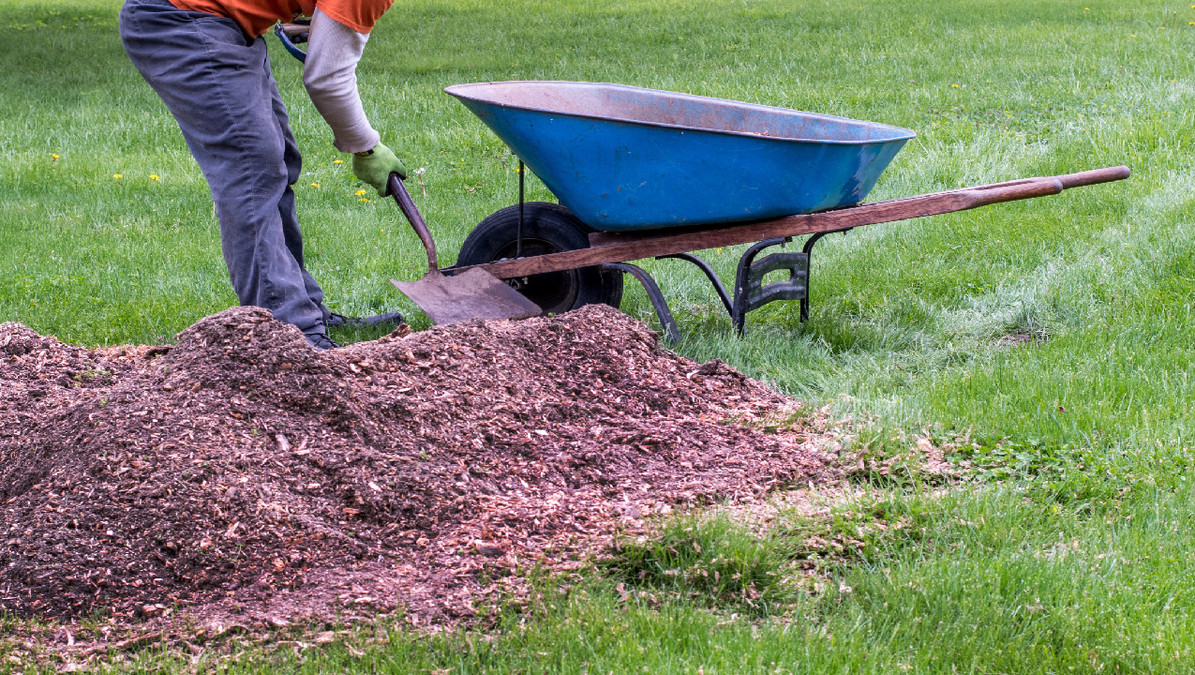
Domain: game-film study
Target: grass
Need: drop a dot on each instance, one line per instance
(708, 560)
(1047, 342)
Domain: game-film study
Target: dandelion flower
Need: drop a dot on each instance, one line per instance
(117, 176)
(954, 86)
(359, 192)
(338, 161)
(315, 185)
(364, 200)
(154, 176)
(53, 156)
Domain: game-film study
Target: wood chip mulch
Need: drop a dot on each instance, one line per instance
(241, 475)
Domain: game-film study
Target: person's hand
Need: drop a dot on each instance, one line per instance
(375, 166)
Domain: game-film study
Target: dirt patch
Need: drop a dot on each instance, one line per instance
(241, 476)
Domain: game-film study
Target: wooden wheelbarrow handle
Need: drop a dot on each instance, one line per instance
(609, 247)
(1069, 180)
(1093, 177)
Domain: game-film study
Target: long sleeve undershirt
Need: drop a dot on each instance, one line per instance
(330, 76)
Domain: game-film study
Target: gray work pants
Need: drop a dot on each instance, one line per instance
(217, 83)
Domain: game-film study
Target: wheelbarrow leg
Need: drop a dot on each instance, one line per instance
(750, 292)
(807, 249)
(709, 273)
(653, 292)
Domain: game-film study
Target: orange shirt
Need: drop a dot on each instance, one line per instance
(256, 16)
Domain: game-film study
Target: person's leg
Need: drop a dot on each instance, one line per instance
(286, 206)
(216, 82)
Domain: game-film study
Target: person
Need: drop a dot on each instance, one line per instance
(207, 60)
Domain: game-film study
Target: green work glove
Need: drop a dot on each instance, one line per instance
(375, 166)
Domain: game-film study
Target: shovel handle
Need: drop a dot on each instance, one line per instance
(403, 198)
(291, 33)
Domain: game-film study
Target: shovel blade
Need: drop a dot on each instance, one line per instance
(473, 294)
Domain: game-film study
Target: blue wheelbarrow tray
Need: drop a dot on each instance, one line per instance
(626, 158)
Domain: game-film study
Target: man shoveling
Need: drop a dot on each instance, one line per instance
(207, 60)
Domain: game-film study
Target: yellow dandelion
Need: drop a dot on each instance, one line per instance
(315, 185)
(338, 161)
(364, 200)
(154, 176)
(117, 176)
(1086, 9)
(954, 86)
(53, 156)
(359, 192)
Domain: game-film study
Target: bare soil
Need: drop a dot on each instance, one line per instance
(241, 476)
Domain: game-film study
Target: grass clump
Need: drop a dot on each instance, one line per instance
(709, 561)
(856, 527)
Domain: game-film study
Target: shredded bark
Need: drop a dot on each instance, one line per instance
(241, 475)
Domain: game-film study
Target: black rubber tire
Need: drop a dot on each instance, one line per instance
(547, 228)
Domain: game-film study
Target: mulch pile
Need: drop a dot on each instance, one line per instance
(240, 473)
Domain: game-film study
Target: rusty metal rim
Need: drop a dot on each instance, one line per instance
(903, 134)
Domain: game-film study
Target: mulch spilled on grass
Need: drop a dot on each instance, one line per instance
(239, 476)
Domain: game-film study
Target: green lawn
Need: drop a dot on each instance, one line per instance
(1068, 545)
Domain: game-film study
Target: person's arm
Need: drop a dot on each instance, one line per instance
(330, 76)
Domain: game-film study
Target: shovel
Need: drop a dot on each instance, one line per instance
(473, 294)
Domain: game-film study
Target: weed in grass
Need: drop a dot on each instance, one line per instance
(707, 560)
(881, 457)
(860, 527)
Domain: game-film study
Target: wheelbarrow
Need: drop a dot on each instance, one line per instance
(645, 174)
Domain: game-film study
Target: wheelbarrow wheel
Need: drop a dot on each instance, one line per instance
(547, 228)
